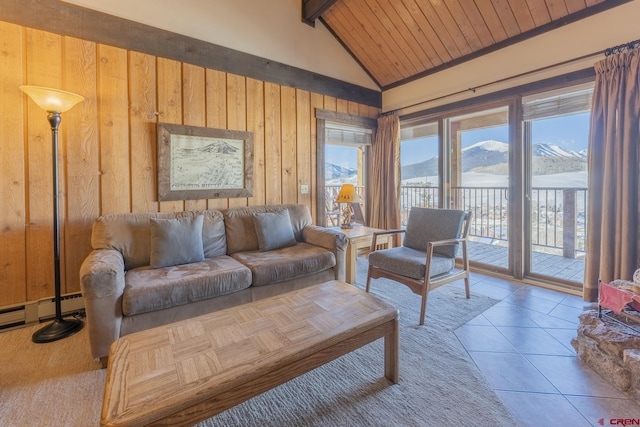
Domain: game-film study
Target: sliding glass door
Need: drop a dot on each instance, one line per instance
(556, 132)
(478, 177)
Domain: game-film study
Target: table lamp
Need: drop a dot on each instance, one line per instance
(347, 195)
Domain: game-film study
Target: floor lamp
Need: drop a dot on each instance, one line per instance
(55, 102)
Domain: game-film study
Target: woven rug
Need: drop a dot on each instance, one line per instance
(58, 384)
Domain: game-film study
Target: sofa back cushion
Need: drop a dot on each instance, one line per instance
(130, 234)
(241, 230)
(274, 230)
(176, 241)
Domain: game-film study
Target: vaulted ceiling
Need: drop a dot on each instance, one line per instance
(396, 41)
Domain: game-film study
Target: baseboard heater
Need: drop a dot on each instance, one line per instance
(39, 311)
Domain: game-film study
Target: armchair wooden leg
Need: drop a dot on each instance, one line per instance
(368, 278)
(466, 285)
(423, 308)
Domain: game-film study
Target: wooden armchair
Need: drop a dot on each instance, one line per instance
(427, 256)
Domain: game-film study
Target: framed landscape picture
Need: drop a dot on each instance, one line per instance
(202, 163)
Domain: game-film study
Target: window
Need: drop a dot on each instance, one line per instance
(518, 161)
(420, 166)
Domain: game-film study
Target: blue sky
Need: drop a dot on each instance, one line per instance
(568, 132)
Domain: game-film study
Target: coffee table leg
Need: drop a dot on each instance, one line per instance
(391, 349)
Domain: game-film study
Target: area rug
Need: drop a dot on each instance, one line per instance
(58, 384)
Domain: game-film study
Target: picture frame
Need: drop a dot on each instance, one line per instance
(196, 163)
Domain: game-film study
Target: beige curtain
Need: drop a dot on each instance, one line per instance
(612, 211)
(383, 192)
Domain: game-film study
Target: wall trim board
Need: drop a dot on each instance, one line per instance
(75, 21)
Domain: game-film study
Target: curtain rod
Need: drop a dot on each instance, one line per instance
(621, 47)
(473, 89)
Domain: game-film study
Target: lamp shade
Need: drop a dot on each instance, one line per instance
(347, 194)
(52, 100)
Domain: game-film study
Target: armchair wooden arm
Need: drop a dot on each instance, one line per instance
(374, 242)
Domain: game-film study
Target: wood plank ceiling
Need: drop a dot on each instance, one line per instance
(396, 41)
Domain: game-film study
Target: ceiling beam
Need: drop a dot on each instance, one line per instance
(312, 9)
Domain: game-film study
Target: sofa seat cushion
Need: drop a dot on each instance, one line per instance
(287, 263)
(410, 262)
(147, 289)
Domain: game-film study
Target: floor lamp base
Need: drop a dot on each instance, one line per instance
(58, 329)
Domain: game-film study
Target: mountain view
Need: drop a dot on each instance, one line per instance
(491, 157)
(486, 163)
(337, 175)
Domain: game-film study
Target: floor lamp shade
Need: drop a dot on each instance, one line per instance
(54, 102)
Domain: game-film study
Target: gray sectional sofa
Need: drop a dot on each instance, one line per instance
(150, 269)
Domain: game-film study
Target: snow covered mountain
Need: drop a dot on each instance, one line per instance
(335, 172)
(490, 155)
(547, 150)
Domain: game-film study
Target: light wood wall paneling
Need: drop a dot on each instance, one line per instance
(194, 112)
(44, 63)
(12, 167)
(236, 116)
(289, 148)
(303, 144)
(255, 124)
(142, 123)
(352, 108)
(113, 110)
(342, 106)
(330, 103)
(272, 144)
(169, 87)
(216, 98)
(82, 149)
(108, 144)
(317, 102)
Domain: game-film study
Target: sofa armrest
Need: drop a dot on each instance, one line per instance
(332, 240)
(102, 284)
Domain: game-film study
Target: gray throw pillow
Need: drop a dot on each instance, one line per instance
(176, 241)
(274, 230)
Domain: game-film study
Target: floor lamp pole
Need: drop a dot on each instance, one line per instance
(60, 327)
(54, 102)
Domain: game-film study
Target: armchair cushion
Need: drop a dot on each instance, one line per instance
(409, 262)
(429, 225)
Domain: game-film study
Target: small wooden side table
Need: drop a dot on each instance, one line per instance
(361, 237)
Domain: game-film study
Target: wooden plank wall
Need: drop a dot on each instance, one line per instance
(108, 144)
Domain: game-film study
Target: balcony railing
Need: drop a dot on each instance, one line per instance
(557, 215)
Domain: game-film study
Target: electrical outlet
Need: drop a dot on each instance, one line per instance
(304, 189)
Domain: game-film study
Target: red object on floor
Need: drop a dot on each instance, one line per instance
(615, 298)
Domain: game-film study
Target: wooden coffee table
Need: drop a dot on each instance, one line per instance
(188, 371)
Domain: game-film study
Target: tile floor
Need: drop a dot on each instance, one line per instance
(522, 345)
